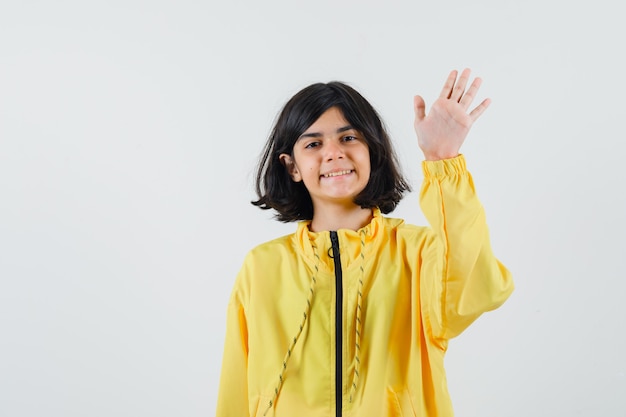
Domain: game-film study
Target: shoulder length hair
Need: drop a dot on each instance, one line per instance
(291, 200)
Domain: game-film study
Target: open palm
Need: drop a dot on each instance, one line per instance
(441, 133)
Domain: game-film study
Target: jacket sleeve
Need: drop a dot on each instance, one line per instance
(232, 399)
(460, 277)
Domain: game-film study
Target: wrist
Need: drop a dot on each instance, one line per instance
(440, 156)
(444, 167)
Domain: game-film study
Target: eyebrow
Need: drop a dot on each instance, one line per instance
(318, 134)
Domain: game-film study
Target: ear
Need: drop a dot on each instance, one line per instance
(291, 167)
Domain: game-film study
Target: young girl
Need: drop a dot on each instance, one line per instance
(351, 315)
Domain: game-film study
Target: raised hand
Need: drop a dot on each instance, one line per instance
(441, 133)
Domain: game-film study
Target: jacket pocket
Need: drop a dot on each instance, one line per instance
(400, 403)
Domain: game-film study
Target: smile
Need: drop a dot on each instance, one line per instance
(337, 173)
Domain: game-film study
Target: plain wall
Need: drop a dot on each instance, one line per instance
(129, 131)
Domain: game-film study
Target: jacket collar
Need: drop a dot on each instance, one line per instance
(349, 241)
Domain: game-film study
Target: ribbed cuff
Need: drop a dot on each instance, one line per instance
(444, 167)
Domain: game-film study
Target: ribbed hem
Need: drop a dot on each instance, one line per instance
(444, 167)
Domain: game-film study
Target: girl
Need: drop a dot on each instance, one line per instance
(351, 315)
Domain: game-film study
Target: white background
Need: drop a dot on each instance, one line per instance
(129, 131)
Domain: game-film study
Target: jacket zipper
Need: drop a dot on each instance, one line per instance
(338, 322)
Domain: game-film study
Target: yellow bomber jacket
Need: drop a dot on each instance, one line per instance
(361, 329)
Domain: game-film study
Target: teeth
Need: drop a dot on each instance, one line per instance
(338, 173)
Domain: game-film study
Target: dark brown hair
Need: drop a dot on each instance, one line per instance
(275, 188)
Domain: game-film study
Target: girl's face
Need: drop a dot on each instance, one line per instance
(332, 159)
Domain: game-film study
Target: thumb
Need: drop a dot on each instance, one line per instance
(420, 108)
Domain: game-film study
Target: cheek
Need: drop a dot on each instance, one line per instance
(308, 173)
(366, 163)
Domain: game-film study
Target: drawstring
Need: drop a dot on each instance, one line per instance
(358, 326)
(357, 339)
(305, 315)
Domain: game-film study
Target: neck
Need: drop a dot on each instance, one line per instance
(340, 217)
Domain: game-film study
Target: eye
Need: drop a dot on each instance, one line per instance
(349, 138)
(311, 145)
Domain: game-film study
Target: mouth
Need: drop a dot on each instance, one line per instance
(337, 173)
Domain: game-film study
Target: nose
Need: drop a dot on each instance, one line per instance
(333, 150)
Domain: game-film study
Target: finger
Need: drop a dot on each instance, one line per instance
(420, 108)
(470, 94)
(475, 114)
(449, 85)
(459, 88)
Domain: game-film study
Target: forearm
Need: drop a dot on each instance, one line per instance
(233, 397)
(462, 273)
